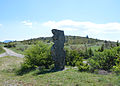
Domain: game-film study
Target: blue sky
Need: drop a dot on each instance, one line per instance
(25, 19)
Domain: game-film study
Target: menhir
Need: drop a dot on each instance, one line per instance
(57, 50)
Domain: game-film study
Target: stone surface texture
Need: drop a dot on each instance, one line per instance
(57, 50)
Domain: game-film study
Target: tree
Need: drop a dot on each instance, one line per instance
(87, 37)
(90, 52)
(101, 49)
(117, 43)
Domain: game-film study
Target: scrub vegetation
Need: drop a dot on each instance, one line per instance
(89, 62)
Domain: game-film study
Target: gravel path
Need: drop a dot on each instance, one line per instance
(11, 53)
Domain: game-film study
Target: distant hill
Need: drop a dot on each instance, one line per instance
(7, 41)
(68, 40)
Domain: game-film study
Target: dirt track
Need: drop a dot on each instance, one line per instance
(11, 53)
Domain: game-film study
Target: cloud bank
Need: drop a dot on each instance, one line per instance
(86, 27)
(107, 31)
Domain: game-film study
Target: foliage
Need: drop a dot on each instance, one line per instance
(9, 45)
(37, 56)
(82, 66)
(101, 49)
(117, 43)
(68, 40)
(104, 60)
(69, 77)
(20, 48)
(74, 58)
(116, 68)
(71, 57)
(88, 53)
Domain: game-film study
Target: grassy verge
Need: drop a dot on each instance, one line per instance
(20, 48)
(17, 50)
(1, 50)
(69, 77)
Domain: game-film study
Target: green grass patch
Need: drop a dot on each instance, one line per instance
(95, 47)
(20, 48)
(1, 50)
(69, 77)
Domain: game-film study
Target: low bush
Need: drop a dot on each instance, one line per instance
(37, 56)
(116, 68)
(74, 58)
(82, 66)
(10, 45)
(105, 60)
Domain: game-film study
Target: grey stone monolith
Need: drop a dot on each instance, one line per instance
(57, 50)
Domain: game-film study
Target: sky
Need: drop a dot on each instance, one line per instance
(26, 19)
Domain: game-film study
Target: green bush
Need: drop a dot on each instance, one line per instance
(104, 60)
(88, 53)
(37, 56)
(116, 68)
(71, 57)
(74, 58)
(10, 45)
(82, 66)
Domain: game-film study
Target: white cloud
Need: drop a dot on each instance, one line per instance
(86, 27)
(108, 31)
(27, 23)
(63, 25)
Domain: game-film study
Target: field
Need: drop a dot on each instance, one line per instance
(20, 48)
(69, 77)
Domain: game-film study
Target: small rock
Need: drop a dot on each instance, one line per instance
(102, 72)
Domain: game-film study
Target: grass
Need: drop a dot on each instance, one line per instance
(1, 50)
(20, 48)
(2, 45)
(95, 47)
(69, 77)
(79, 46)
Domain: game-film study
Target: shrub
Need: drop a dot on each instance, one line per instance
(104, 60)
(90, 52)
(101, 49)
(116, 68)
(37, 56)
(74, 58)
(10, 45)
(82, 66)
(71, 57)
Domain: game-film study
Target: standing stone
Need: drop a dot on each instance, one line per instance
(57, 50)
